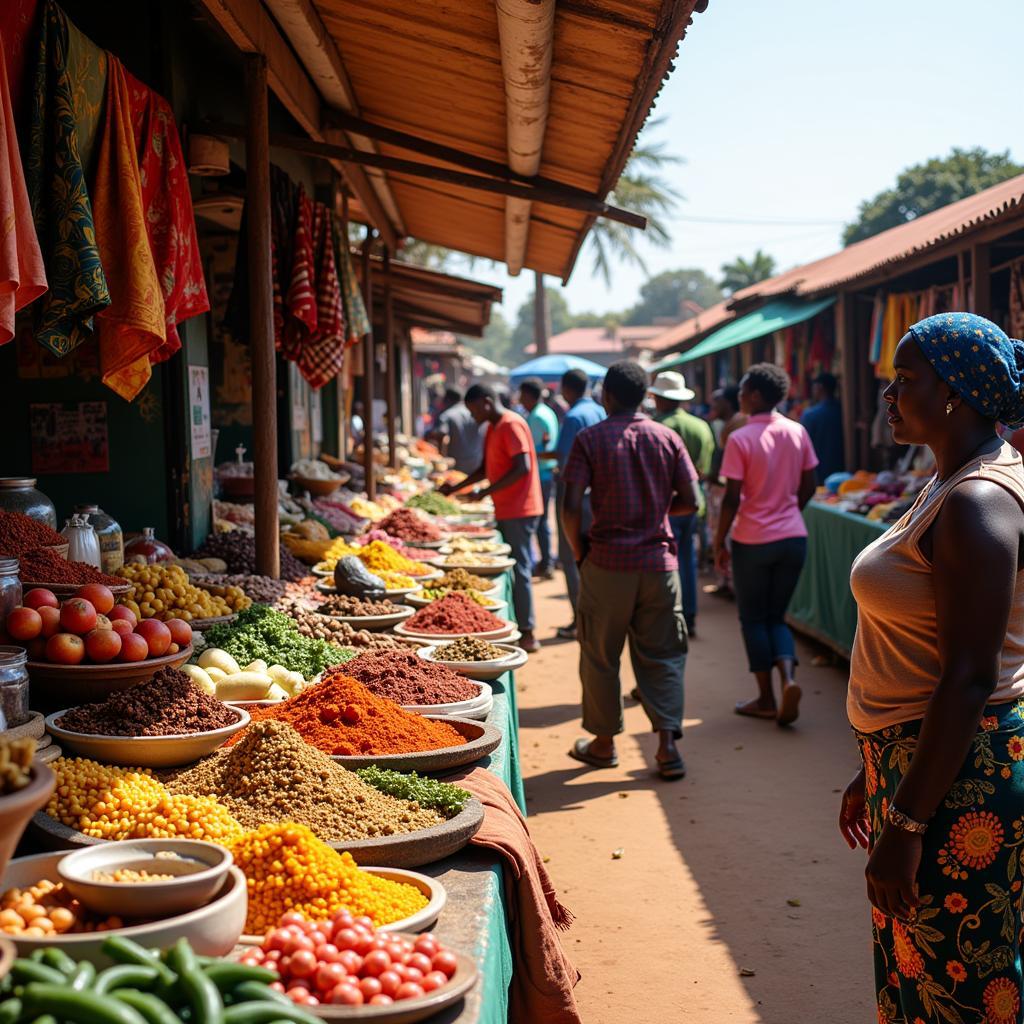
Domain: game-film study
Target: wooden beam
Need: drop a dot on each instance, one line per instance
(368, 373)
(261, 319)
(535, 194)
(981, 275)
(389, 356)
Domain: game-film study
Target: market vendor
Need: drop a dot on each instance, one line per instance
(543, 424)
(510, 467)
(456, 433)
(936, 688)
(824, 422)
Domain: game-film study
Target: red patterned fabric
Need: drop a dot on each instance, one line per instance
(300, 298)
(320, 358)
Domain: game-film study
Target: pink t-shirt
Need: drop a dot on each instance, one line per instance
(769, 455)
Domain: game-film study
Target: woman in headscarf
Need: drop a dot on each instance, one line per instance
(937, 690)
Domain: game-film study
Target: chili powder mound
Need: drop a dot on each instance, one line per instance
(454, 613)
(341, 716)
(46, 566)
(20, 533)
(408, 679)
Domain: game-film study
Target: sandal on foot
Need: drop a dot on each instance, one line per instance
(566, 632)
(672, 769)
(581, 752)
(789, 709)
(749, 709)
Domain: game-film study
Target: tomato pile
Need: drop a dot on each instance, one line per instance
(344, 961)
(90, 628)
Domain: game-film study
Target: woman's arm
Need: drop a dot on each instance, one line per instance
(730, 506)
(808, 485)
(974, 544)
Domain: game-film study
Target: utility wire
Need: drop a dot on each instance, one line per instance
(742, 220)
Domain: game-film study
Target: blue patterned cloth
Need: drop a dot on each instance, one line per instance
(978, 361)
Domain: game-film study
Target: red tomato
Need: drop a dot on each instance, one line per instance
(363, 945)
(342, 919)
(156, 634)
(376, 963)
(298, 942)
(77, 616)
(24, 623)
(434, 980)
(271, 957)
(420, 962)
(445, 962)
(181, 632)
(347, 995)
(370, 987)
(328, 976)
(277, 986)
(51, 620)
(350, 960)
(103, 645)
(133, 648)
(99, 596)
(303, 963)
(291, 917)
(346, 938)
(120, 611)
(327, 952)
(390, 982)
(276, 940)
(365, 922)
(65, 649)
(411, 974)
(297, 993)
(40, 597)
(381, 1000)
(410, 990)
(427, 945)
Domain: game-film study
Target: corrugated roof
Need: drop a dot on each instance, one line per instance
(896, 244)
(693, 329)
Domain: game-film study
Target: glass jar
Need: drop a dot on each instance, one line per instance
(19, 494)
(13, 687)
(10, 586)
(110, 534)
(83, 544)
(147, 548)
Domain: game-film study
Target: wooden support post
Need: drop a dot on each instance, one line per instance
(368, 372)
(961, 277)
(846, 342)
(409, 387)
(261, 318)
(981, 275)
(390, 376)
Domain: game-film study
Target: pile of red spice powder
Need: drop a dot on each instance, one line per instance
(453, 614)
(407, 525)
(20, 533)
(340, 716)
(46, 566)
(408, 679)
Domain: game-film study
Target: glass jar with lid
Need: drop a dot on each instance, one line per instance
(110, 534)
(19, 494)
(147, 548)
(10, 587)
(13, 687)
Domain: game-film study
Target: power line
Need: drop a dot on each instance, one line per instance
(742, 220)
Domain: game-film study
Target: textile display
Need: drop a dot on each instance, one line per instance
(892, 316)
(284, 197)
(321, 358)
(19, 23)
(22, 274)
(1017, 299)
(300, 296)
(356, 319)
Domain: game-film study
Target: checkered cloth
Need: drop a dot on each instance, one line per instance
(321, 355)
(633, 466)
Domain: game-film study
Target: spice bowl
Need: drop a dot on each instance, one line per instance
(376, 622)
(508, 627)
(482, 671)
(145, 751)
(198, 869)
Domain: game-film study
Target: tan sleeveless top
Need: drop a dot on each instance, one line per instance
(895, 662)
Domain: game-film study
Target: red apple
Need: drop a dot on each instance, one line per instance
(156, 635)
(51, 620)
(181, 632)
(133, 648)
(102, 645)
(77, 616)
(24, 624)
(122, 627)
(65, 649)
(120, 611)
(99, 596)
(40, 597)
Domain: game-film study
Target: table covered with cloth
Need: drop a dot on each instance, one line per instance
(822, 605)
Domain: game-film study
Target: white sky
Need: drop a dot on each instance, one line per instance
(796, 110)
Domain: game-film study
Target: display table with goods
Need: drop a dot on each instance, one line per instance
(822, 605)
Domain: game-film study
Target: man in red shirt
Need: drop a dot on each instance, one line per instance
(510, 467)
(638, 472)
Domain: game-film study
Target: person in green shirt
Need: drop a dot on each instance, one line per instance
(669, 391)
(543, 424)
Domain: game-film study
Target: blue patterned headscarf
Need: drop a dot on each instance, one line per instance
(983, 365)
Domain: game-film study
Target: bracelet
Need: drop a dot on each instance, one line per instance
(900, 820)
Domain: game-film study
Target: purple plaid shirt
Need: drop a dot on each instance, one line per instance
(633, 466)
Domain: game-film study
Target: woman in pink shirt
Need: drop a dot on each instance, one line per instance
(769, 471)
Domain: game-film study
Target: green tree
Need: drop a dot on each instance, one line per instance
(496, 344)
(663, 295)
(930, 186)
(742, 273)
(522, 334)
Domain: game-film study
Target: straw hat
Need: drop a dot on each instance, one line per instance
(671, 386)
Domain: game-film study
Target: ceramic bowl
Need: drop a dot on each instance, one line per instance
(199, 869)
(17, 808)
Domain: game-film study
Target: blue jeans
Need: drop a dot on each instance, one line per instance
(518, 535)
(544, 526)
(683, 528)
(764, 577)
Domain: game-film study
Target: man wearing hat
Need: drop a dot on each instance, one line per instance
(669, 391)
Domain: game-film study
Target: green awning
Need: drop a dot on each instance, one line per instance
(771, 317)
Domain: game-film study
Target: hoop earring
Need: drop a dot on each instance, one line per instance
(949, 408)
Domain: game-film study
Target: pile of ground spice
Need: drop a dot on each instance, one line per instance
(166, 705)
(470, 648)
(271, 774)
(340, 716)
(471, 529)
(322, 627)
(408, 679)
(452, 614)
(380, 557)
(20, 533)
(459, 579)
(348, 605)
(44, 565)
(407, 525)
(436, 593)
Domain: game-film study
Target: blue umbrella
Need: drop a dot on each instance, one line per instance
(551, 368)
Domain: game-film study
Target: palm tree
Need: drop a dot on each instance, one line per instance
(743, 273)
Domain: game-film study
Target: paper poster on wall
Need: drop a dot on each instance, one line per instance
(199, 410)
(69, 437)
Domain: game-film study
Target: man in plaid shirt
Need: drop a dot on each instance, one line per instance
(638, 473)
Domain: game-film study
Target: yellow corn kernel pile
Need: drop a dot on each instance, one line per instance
(164, 592)
(109, 802)
(378, 556)
(288, 868)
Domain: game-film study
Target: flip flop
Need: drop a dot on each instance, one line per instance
(789, 709)
(674, 769)
(581, 752)
(740, 709)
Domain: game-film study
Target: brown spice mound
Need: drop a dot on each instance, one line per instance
(323, 627)
(470, 648)
(459, 579)
(46, 566)
(273, 775)
(349, 605)
(454, 613)
(407, 679)
(20, 533)
(166, 705)
(407, 525)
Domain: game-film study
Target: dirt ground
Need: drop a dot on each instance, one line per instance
(734, 897)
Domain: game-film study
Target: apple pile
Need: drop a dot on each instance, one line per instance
(89, 628)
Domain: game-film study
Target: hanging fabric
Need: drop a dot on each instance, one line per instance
(322, 355)
(877, 326)
(284, 199)
(22, 274)
(356, 320)
(1017, 299)
(19, 25)
(300, 298)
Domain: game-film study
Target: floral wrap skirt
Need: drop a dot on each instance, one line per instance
(959, 960)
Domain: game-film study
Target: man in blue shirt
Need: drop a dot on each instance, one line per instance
(583, 412)
(824, 422)
(543, 424)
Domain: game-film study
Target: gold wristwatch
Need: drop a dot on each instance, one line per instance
(900, 820)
